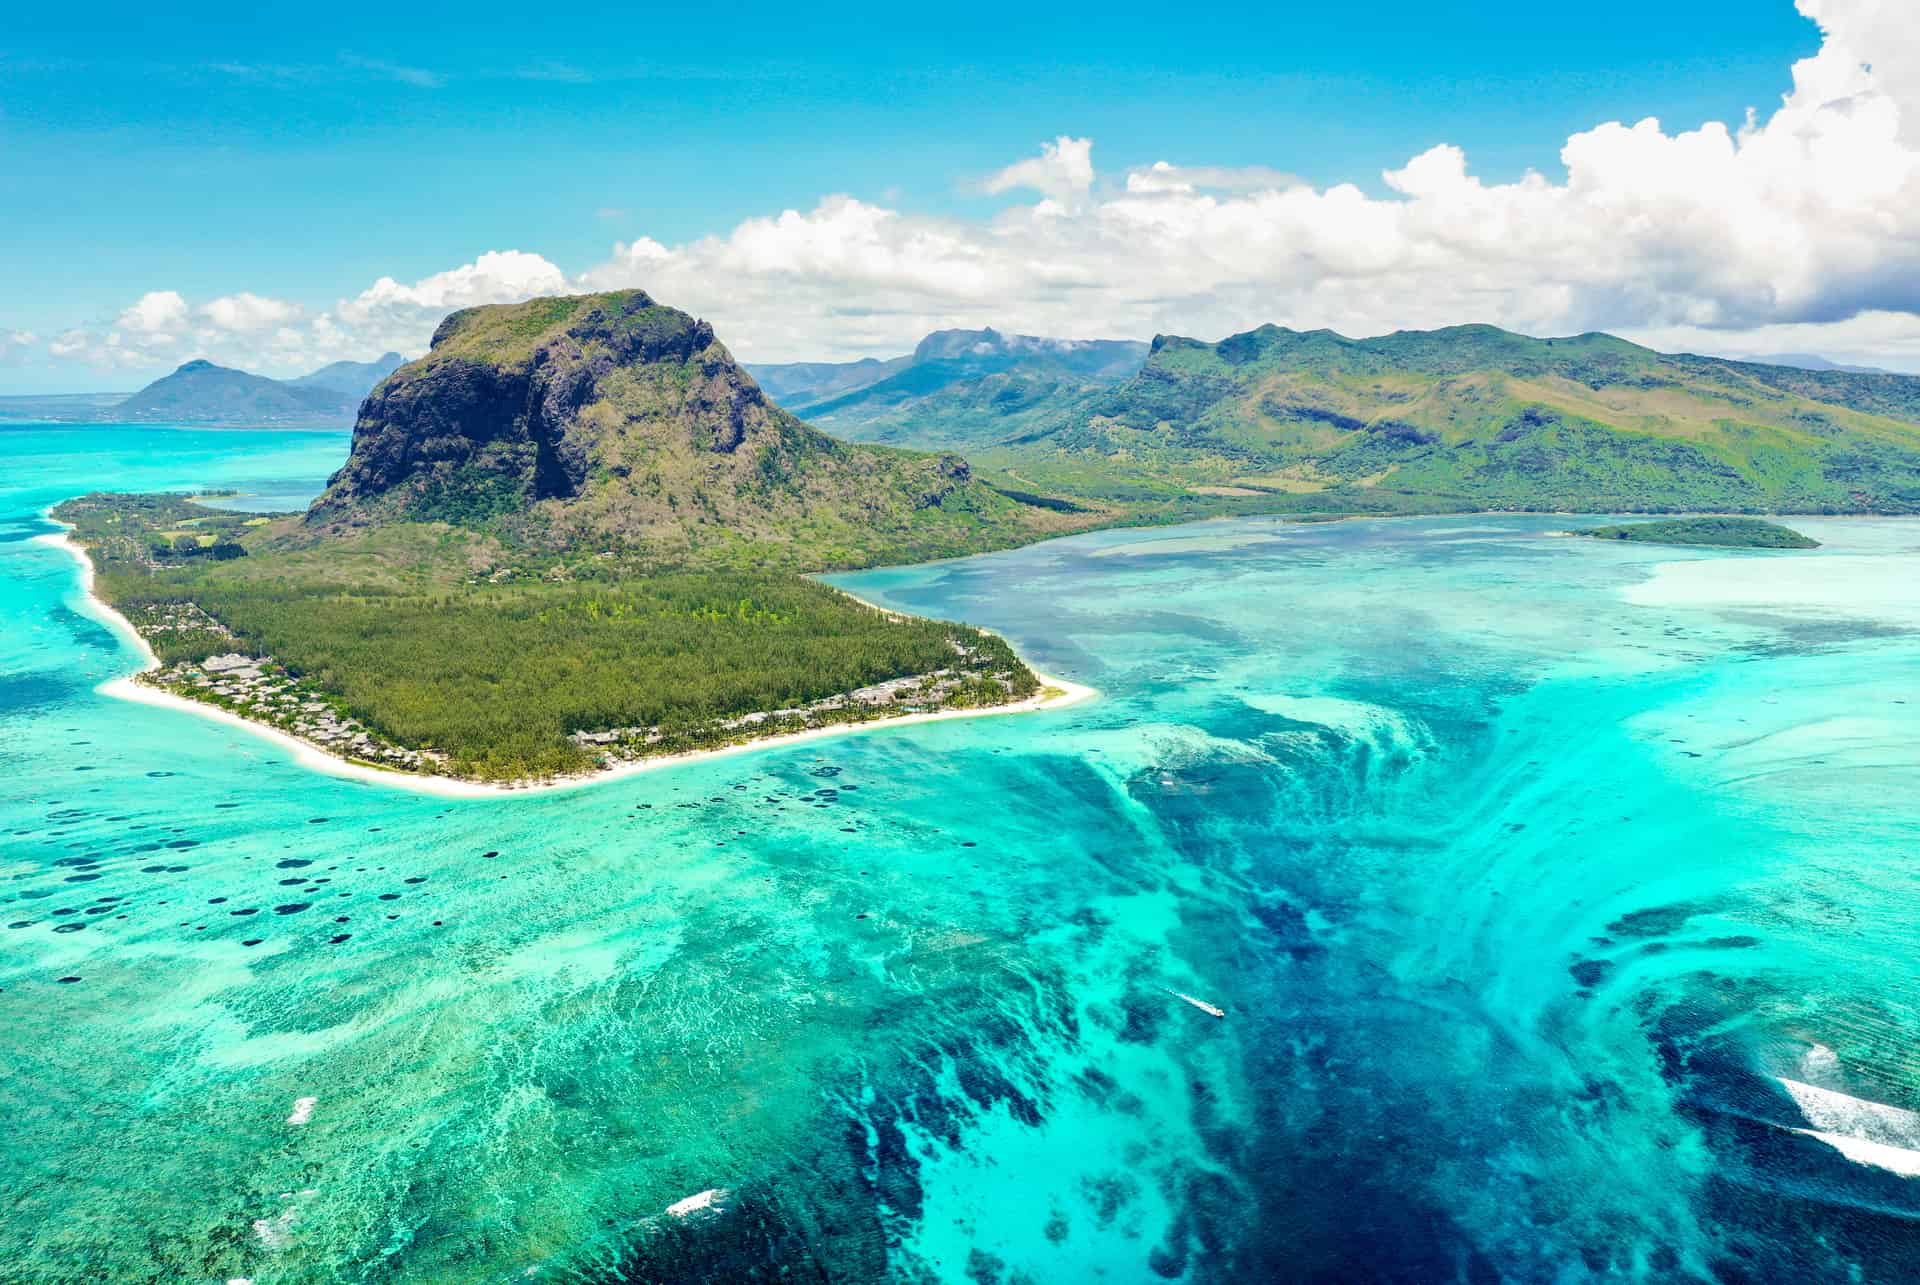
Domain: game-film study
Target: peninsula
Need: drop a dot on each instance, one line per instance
(572, 539)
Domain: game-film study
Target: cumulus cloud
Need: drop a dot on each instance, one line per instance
(16, 344)
(1808, 216)
(388, 314)
(157, 317)
(1063, 172)
(248, 313)
(1797, 229)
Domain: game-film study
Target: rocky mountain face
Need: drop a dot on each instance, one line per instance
(610, 420)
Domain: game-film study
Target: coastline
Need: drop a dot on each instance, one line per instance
(1054, 693)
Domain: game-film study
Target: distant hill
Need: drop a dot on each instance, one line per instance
(354, 378)
(1474, 416)
(958, 389)
(202, 393)
(609, 420)
(1810, 361)
(801, 382)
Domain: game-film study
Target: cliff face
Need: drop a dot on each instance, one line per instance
(610, 419)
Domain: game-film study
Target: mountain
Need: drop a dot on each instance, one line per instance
(801, 382)
(611, 421)
(353, 378)
(1477, 416)
(958, 389)
(1811, 361)
(201, 392)
(566, 537)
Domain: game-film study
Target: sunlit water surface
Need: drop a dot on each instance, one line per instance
(1560, 896)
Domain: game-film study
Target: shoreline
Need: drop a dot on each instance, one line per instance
(1054, 693)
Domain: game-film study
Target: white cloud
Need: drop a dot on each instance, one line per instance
(499, 276)
(248, 313)
(418, 77)
(1063, 172)
(1797, 230)
(1886, 339)
(156, 318)
(1807, 217)
(1882, 35)
(1162, 176)
(15, 344)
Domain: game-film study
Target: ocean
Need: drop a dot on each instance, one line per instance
(1559, 896)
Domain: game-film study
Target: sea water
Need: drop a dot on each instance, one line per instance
(1560, 896)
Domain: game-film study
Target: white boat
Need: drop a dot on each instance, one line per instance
(1202, 1005)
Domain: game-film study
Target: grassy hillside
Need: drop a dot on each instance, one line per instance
(1469, 417)
(960, 390)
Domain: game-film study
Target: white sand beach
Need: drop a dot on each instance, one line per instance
(1054, 693)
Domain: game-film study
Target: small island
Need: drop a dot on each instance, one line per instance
(1719, 533)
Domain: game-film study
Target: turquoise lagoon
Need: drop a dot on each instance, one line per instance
(1560, 894)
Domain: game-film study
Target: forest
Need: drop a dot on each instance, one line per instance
(497, 676)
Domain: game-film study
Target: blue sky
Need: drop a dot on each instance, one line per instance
(304, 153)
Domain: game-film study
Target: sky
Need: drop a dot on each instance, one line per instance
(274, 187)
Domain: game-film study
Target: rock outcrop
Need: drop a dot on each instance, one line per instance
(610, 419)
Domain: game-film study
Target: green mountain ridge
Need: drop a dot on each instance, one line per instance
(958, 389)
(1474, 416)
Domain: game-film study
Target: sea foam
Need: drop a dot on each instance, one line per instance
(1868, 1133)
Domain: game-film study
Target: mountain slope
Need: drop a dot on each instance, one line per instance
(958, 390)
(201, 392)
(1476, 415)
(353, 378)
(609, 421)
(802, 382)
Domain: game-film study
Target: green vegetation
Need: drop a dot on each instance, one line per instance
(611, 422)
(1471, 417)
(572, 531)
(498, 676)
(959, 390)
(1732, 533)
